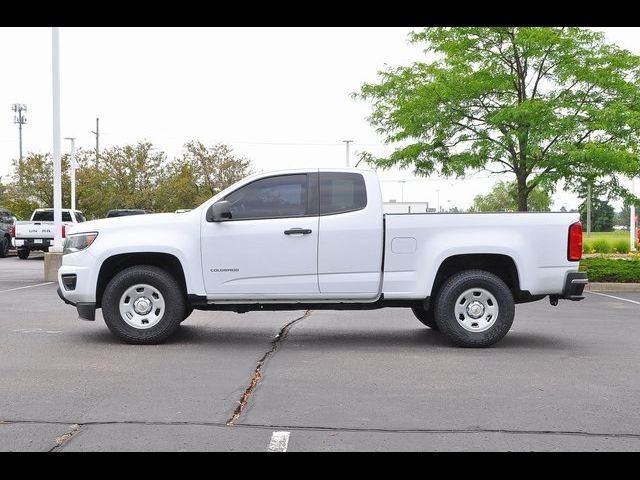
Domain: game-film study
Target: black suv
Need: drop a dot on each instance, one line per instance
(123, 212)
(7, 219)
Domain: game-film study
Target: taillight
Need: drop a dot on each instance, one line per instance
(13, 231)
(574, 252)
(64, 230)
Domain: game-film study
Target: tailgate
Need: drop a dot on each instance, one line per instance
(34, 230)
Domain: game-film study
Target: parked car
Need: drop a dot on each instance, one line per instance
(124, 212)
(7, 219)
(317, 239)
(37, 233)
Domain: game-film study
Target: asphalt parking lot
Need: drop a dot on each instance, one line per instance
(564, 378)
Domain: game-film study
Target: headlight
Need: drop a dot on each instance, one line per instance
(80, 241)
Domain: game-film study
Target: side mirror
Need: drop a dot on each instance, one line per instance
(219, 212)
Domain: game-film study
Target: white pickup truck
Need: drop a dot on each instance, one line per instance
(317, 239)
(37, 233)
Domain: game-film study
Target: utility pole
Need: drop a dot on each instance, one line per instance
(97, 134)
(72, 167)
(589, 210)
(402, 182)
(347, 142)
(20, 119)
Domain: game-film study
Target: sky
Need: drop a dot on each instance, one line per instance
(280, 96)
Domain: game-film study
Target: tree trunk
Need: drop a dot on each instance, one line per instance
(522, 194)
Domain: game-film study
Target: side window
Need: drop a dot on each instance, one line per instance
(341, 192)
(273, 197)
(66, 217)
(80, 217)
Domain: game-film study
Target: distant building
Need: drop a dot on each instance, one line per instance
(406, 207)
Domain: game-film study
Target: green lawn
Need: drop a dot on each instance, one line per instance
(609, 236)
(606, 242)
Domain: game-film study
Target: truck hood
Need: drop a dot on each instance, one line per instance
(132, 223)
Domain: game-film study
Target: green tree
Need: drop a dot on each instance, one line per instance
(602, 215)
(504, 198)
(131, 175)
(542, 103)
(212, 169)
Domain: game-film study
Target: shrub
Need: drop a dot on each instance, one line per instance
(621, 246)
(587, 247)
(602, 246)
(601, 269)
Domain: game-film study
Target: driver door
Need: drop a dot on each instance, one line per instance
(269, 247)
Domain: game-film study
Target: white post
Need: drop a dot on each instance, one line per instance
(72, 171)
(633, 228)
(57, 167)
(589, 211)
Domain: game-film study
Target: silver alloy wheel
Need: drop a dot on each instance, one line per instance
(142, 306)
(476, 310)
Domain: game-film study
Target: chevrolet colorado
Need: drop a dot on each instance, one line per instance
(317, 239)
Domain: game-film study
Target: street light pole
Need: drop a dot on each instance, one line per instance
(347, 142)
(72, 168)
(57, 167)
(438, 192)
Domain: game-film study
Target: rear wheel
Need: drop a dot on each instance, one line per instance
(143, 305)
(23, 253)
(4, 246)
(426, 317)
(474, 308)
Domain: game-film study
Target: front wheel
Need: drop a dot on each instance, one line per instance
(23, 253)
(474, 308)
(143, 305)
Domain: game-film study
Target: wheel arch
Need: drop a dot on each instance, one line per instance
(501, 265)
(116, 263)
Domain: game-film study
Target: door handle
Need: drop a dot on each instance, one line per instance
(298, 231)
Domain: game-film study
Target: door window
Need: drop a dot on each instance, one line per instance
(272, 197)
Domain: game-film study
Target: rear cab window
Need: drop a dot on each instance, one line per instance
(341, 193)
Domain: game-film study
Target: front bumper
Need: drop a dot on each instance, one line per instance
(86, 310)
(574, 285)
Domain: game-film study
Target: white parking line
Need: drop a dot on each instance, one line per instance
(28, 286)
(617, 298)
(279, 442)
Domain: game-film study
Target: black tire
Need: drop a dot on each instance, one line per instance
(5, 243)
(447, 300)
(23, 253)
(166, 285)
(426, 317)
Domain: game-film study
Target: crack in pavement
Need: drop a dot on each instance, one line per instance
(76, 428)
(65, 438)
(257, 373)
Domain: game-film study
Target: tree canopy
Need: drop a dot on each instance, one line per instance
(544, 104)
(504, 198)
(130, 176)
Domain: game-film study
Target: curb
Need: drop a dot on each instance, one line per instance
(612, 287)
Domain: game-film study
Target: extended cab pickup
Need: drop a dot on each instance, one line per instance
(317, 239)
(37, 233)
